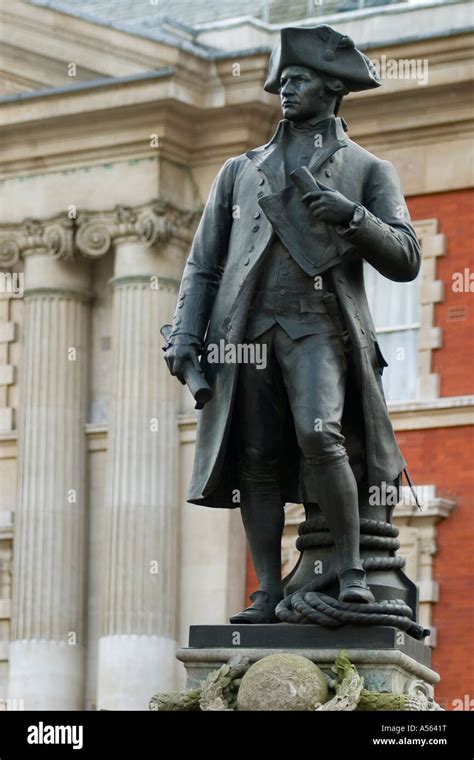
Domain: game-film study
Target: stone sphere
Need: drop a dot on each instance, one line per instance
(282, 682)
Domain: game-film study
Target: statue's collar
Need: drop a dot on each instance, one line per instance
(334, 124)
(270, 157)
(310, 126)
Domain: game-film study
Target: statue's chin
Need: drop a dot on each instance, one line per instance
(289, 113)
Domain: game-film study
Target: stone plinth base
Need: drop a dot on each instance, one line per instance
(388, 660)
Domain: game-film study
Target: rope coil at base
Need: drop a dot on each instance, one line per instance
(309, 605)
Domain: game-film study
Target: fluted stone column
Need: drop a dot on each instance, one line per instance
(47, 647)
(138, 641)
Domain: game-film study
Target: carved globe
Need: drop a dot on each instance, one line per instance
(282, 682)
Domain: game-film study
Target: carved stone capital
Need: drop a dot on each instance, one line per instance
(52, 236)
(94, 232)
(154, 223)
(9, 249)
(183, 222)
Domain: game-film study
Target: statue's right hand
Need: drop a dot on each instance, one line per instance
(176, 355)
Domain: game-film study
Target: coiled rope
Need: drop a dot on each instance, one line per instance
(309, 605)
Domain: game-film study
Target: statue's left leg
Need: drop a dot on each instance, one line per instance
(314, 370)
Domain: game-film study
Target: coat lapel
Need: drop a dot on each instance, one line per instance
(270, 158)
(337, 140)
(271, 161)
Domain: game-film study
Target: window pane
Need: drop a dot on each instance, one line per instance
(399, 378)
(392, 304)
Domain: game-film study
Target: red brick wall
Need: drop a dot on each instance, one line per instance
(454, 212)
(444, 457)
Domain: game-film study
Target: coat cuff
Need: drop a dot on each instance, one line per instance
(184, 339)
(191, 316)
(368, 230)
(354, 224)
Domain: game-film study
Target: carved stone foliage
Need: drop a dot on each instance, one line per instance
(53, 236)
(153, 224)
(93, 233)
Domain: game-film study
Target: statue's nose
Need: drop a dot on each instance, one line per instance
(286, 89)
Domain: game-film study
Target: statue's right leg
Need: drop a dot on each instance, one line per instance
(260, 404)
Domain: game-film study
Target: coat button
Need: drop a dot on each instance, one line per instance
(327, 173)
(255, 228)
(177, 321)
(250, 248)
(246, 262)
(259, 194)
(284, 272)
(261, 181)
(282, 292)
(180, 306)
(256, 215)
(332, 159)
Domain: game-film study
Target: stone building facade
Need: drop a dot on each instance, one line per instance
(112, 131)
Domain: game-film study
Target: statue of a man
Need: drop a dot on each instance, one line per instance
(279, 267)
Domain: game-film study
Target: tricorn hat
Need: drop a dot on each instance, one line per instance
(325, 50)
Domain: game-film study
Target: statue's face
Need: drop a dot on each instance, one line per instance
(301, 93)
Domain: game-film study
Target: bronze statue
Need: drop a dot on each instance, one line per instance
(277, 264)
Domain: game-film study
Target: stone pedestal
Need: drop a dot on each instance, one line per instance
(388, 659)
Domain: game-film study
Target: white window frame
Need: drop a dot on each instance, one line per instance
(429, 337)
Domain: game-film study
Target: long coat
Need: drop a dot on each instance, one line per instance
(248, 204)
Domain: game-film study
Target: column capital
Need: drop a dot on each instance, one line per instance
(93, 233)
(153, 223)
(31, 236)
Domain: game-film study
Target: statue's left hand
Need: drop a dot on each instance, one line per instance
(329, 205)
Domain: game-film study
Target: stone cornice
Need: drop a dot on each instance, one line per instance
(124, 110)
(93, 233)
(436, 413)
